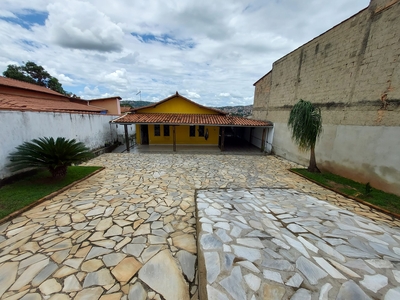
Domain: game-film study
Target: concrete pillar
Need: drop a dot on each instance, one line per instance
(126, 137)
(222, 139)
(263, 139)
(174, 138)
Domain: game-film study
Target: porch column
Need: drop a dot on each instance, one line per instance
(126, 137)
(174, 138)
(263, 139)
(222, 139)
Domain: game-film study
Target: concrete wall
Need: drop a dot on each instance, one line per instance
(17, 127)
(111, 105)
(352, 72)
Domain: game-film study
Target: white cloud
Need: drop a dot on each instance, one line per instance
(192, 95)
(79, 25)
(210, 51)
(64, 79)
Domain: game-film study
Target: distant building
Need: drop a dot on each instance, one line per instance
(111, 104)
(20, 95)
(23, 96)
(352, 72)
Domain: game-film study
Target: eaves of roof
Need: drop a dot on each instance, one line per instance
(9, 82)
(15, 102)
(189, 119)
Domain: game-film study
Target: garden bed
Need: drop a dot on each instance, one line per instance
(364, 193)
(21, 195)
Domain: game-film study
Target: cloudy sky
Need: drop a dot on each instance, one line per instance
(211, 51)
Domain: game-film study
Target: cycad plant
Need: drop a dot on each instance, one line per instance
(54, 155)
(305, 123)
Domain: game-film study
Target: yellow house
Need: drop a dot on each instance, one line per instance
(177, 120)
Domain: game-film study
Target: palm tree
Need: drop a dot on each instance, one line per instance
(305, 123)
(54, 155)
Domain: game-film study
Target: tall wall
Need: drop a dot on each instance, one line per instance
(17, 127)
(352, 72)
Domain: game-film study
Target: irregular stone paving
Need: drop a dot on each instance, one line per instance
(283, 244)
(129, 232)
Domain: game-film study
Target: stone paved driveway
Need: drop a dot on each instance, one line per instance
(129, 232)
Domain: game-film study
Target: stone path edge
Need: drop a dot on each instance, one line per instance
(392, 214)
(201, 264)
(201, 267)
(48, 197)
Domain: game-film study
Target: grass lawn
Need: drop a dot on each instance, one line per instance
(21, 193)
(349, 187)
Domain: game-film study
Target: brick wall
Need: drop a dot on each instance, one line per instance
(352, 72)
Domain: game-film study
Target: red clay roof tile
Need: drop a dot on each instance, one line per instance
(27, 86)
(14, 102)
(190, 119)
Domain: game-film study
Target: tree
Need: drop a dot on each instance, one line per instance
(54, 155)
(32, 73)
(305, 123)
(14, 72)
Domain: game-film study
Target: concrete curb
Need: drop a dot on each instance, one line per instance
(392, 214)
(48, 197)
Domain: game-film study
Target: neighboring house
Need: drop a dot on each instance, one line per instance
(177, 120)
(125, 109)
(29, 111)
(111, 104)
(352, 72)
(23, 96)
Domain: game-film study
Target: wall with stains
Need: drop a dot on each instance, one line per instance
(352, 72)
(94, 130)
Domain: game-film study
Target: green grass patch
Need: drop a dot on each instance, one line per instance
(21, 193)
(352, 188)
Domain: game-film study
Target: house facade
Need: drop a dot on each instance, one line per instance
(177, 120)
(352, 72)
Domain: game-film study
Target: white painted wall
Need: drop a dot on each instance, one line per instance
(121, 132)
(17, 127)
(362, 153)
(256, 137)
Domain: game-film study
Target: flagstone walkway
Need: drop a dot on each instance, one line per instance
(129, 232)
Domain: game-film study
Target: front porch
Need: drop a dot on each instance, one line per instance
(230, 148)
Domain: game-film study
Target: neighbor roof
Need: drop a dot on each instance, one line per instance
(190, 119)
(27, 86)
(15, 102)
(177, 95)
(108, 98)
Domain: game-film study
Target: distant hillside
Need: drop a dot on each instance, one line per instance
(241, 111)
(135, 104)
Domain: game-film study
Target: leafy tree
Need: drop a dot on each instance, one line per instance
(14, 72)
(54, 155)
(32, 73)
(55, 85)
(305, 123)
(38, 73)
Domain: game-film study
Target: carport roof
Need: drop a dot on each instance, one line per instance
(189, 119)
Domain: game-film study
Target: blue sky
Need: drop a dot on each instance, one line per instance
(209, 51)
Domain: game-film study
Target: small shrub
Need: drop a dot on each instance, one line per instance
(48, 153)
(368, 189)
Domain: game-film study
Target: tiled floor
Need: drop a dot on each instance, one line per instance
(129, 232)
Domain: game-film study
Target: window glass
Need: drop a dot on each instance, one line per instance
(156, 130)
(192, 130)
(166, 130)
(201, 130)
